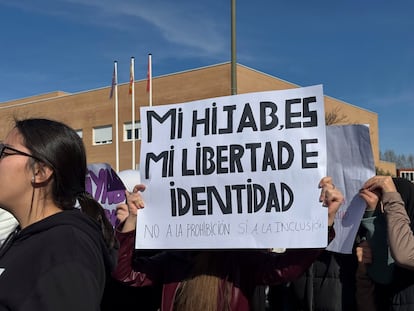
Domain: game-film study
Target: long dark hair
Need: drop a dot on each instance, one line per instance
(60, 147)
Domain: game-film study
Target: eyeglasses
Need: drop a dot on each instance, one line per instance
(3, 152)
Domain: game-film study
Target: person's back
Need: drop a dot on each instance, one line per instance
(329, 285)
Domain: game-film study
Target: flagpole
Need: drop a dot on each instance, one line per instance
(132, 92)
(233, 49)
(149, 77)
(116, 115)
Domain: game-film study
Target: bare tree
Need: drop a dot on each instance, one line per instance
(389, 155)
(335, 117)
(410, 160)
(400, 160)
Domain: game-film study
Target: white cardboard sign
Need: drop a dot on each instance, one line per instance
(238, 171)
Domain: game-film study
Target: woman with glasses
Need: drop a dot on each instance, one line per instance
(59, 257)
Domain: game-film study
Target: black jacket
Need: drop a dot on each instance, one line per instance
(328, 285)
(59, 263)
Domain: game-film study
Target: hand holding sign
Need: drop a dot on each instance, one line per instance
(122, 212)
(373, 189)
(135, 202)
(331, 198)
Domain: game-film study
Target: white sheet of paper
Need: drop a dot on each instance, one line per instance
(350, 163)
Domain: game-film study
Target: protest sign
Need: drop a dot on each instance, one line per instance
(238, 171)
(350, 164)
(106, 187)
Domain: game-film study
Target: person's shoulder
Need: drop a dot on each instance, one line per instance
(71, 230)
(75, 223)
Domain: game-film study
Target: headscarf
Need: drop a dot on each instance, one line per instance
(373, 228)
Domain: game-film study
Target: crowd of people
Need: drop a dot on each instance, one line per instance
(56, 256)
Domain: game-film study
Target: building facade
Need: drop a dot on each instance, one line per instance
(407, 173)
(92, 113)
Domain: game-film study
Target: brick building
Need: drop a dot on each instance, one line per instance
(407, 173)
(92, 112)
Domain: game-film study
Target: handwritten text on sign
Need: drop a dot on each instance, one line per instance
(234, 171)
(106, 187)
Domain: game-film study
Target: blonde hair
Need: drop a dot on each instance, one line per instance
(206, 289)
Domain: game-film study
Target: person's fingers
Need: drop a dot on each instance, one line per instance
(364, 253)
(135, 202)
(388, 184)
(139, 188)
(139, 202)
(136, 199)
(333, 200)
(369, 195)
(359, 253)
(370, 198)
(330, 194)
(380, 184)
(121, 212)
(122, 207)
(325, 181)
(327, 185)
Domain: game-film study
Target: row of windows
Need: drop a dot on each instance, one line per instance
(408, 175)
(103, 134)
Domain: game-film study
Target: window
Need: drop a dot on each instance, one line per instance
(102, 135)
(80, 133)
(406, 174)
(128, 131)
